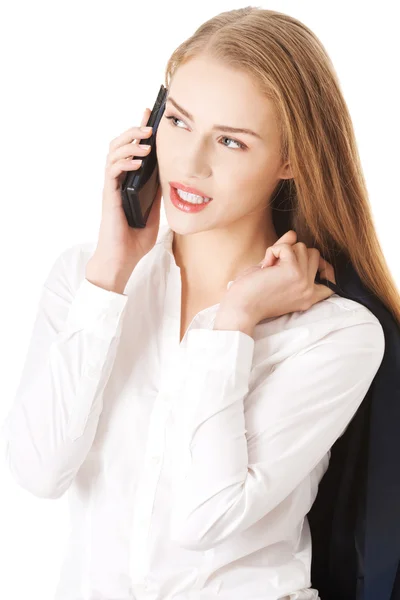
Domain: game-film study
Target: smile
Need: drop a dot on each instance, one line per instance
(186, 205)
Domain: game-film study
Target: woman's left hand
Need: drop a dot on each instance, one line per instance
(283, 282)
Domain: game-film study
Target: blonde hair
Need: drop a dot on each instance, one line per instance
(326, 202)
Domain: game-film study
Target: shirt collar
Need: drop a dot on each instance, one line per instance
(207, 316)
(167, 237)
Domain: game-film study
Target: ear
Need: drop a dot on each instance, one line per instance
(286, 172)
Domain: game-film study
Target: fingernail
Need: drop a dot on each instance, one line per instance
(145, 129)
(229, 285)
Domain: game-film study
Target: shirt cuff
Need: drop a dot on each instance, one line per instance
(96, 309)
(221, 348)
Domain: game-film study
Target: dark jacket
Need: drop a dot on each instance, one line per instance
(355, 519)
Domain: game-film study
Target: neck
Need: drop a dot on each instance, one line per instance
(210, 259)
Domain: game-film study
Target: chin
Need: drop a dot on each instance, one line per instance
(182, 223)
(178, 226)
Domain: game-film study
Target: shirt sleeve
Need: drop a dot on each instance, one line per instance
(53, 419)
(240, 453)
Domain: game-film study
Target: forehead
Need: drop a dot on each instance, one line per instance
(215, 93)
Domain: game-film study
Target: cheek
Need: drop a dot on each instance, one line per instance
(162, 134)
(164, 148)
(161, 149)
(257, 172)
(249, 176)
(252, 183)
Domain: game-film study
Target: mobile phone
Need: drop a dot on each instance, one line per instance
(139, 188)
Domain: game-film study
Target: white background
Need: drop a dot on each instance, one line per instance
(75, 75)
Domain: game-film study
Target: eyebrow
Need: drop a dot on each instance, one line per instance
(219, 127)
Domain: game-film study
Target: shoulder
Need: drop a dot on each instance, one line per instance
(68, 266)
(357, 324)
(335, 319)
(344, 313)
(335, 311)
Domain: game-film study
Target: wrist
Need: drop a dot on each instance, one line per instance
(107, 276)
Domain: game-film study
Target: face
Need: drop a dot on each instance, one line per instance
(238, 170)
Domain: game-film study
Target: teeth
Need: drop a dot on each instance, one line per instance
(192, 198)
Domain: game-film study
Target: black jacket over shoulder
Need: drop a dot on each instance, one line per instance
(355, 519)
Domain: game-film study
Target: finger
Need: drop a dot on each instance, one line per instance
(301, 252)
(313, 263)
(269, 259)
(321, 292)
(145, 117)
(326, 270)
(289, 237)
(143, 123)
(133, 135)
(284, 252)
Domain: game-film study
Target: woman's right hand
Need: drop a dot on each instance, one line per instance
(120, 246)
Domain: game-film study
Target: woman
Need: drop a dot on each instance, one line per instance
(186, 386)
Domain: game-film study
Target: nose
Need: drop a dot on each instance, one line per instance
(195, 161)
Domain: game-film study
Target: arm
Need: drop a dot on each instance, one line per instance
(240, 454)
(52, 423)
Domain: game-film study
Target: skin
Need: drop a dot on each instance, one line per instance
(233, 232)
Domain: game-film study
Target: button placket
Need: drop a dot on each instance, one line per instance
(146, 492)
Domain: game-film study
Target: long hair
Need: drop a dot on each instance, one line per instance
(326, 202)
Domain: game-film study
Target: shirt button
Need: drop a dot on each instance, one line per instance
(155, 459)
(148, 586)
(91, 371)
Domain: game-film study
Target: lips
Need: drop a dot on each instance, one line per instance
(187, 207)
(190, 190)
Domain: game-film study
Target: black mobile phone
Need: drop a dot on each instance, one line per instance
(139, 187)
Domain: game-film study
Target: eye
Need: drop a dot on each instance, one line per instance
(241, 146)
(173, 122)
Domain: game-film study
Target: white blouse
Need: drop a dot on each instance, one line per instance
(190, 467)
